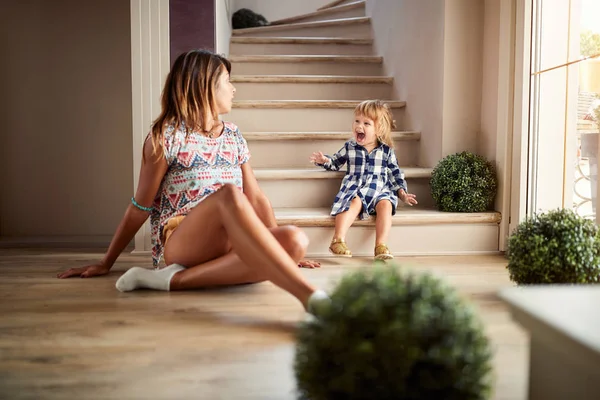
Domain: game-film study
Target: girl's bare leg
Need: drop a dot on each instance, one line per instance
(383, 222)
(344, 220)
(231, 270)
(227, 217)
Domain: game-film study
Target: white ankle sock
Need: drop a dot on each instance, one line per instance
(142, 278)
(317, 301)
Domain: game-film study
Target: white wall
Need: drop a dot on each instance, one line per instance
(223, 13)
(410, 36)
(66, 152)
(273, 10)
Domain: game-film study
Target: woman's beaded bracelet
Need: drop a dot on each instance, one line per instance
(148, 209)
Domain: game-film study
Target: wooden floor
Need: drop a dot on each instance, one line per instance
(82, 339)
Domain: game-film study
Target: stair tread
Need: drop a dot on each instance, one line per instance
(341, 135)
(334, 3)
(307, 103)
(320, 173)
(405, 215)
(310, 79)
(299, 40)
(302, 25)
(326, 11)
(307, 58)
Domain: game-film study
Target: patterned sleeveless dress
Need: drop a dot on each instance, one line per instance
(197, 167)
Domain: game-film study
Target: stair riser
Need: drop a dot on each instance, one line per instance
(409, 240)
(296, 153)
(296, 120)
(353, 13)
(307, 68)
(310, 193)
(311, 91)
(300, 49)
(360, 30)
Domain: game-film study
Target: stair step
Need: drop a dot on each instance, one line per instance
(311, 87)
(292, 149)
(310, 79)
(307, 65)
(342, 135)
(268, 174)
(334, 3)
(312, 116)
(304, 25)
(299, 104)
(304, 217)
(300, 45)
(316, 187)
(307, 59)
(415, 231)
(348, 10)
(300, 40)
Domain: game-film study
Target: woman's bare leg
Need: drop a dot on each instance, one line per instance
(344, 220)
(227, 217)
(231, 270)
(383, 222)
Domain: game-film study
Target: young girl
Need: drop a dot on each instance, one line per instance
(373, 181)
(210, 221)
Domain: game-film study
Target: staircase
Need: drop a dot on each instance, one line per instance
(298, 81)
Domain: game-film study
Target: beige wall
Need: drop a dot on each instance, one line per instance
(433, 49)
(66, 164)
(463, 44)
(410, 36)
(489, 93)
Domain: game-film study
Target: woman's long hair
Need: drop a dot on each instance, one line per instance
(381, 113)
(188, 97)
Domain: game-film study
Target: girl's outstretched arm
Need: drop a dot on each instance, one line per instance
(331, 163)
(151, 173)
(397, 181)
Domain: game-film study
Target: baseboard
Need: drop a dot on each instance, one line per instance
(321, 255)
(53, 242)
(141, 252)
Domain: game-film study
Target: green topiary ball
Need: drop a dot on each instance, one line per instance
(554, 247)
(389, 335)
(464, 182)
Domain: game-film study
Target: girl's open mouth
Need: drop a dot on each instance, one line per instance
(360, 137)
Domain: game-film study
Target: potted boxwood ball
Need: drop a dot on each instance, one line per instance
(463, 182)
(556, 246)
(393, 335)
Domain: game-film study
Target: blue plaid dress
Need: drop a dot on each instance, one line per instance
(371, 176)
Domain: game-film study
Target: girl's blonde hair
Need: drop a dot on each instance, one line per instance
(188, 97)
(381, 114)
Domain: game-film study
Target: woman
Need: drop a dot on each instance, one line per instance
(210, 221)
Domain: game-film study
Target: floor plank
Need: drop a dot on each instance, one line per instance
(80, 338)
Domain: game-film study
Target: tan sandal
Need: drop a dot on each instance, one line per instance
(338, 247)
(382, 252)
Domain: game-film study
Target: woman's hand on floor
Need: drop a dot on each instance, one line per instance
(309, 264)
(85, 272)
